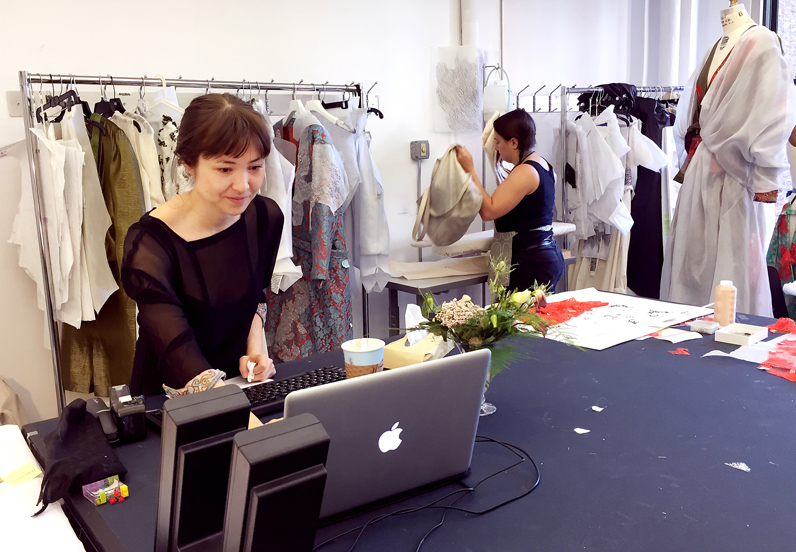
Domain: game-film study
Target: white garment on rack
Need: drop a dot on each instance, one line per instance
(278, 185)
(96, 219)
(575, 209)
(374, 231)
(345, 144)
(718, 231)
(602, 259)
(72, 310)
(609, 207)
(51, 178)
(23, 231)
(606, 178)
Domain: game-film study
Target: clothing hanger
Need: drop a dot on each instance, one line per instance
(64, 101)
(295, 107)
(83, 104)
(316, 106)
(104, 107)
(118, 106)
(116, 102)
(343, 104)
(163, 101)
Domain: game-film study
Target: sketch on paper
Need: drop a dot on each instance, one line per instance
(458, 91)
(624, 318)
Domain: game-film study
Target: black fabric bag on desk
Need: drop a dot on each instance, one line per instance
(77, 453)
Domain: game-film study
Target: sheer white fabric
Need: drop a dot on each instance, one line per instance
(718, 231)
(279, 173)
(372, 228)
(96, 219)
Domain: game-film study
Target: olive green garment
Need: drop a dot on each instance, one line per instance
(100, 353)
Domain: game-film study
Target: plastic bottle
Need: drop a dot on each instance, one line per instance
(724, 307)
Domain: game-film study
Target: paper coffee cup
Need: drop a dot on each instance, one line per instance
(363, 356)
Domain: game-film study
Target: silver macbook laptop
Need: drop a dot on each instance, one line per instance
(398, 430)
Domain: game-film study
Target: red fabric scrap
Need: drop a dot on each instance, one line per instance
(680, 351)
(783, 325)
(781, 361)
(557, 312)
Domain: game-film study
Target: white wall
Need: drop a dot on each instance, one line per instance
(314, 40)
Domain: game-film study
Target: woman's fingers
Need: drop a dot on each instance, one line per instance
(264, 369)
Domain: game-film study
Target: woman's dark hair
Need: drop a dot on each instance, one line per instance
(517, 124)
(220, 124)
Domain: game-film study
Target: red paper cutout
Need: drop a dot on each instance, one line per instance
(781, 361)
(783, 325)
(557, 312)
(680, 351)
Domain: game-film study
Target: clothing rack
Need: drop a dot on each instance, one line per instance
(566, 92)
(26, 79)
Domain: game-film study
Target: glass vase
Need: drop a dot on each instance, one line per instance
(487, 408)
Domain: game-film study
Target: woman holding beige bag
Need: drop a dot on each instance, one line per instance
(522, 205)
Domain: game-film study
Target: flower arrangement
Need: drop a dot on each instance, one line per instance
(472, 327)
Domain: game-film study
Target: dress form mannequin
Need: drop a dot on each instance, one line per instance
(734, 21)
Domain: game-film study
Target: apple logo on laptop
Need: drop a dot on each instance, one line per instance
(390, 439)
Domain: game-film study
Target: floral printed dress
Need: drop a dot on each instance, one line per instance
(782, 252)
(314, 315)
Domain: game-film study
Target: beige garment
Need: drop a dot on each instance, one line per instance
(488, 139)
(608, 275)
(11, 411)
(440, 269)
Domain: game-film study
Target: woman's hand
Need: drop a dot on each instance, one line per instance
(263, 370)
(465, 159)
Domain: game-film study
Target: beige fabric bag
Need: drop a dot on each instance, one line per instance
(11, 411)
(449, 204)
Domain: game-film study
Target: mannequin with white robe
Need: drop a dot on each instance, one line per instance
(747, 113)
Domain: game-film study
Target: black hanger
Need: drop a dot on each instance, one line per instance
(65, 101)
(104, 108)
(376, 111)
(99, 126)
(331, 105)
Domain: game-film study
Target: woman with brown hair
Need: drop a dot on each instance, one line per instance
(198, 264)
(522, 205)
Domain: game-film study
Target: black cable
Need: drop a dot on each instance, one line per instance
(432, 505)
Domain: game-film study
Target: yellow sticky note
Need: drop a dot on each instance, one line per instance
(20, 475)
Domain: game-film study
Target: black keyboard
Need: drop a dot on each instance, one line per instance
(270, 396)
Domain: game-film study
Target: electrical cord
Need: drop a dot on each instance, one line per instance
(514, 449)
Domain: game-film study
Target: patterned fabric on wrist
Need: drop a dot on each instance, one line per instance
(262, 311)
(202, 382)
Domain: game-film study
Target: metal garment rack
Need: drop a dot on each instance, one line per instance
(27, 79)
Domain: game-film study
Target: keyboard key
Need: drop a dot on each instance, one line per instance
(270, 396)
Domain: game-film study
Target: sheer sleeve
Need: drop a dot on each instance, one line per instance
(148, 277)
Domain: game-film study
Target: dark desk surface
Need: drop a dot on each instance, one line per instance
(650, 475)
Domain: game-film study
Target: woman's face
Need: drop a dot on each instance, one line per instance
(508, 149)
(229, 183)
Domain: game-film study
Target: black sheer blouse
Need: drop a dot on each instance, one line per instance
(196, 300)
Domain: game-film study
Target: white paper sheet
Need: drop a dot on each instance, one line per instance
(47, 531)
(757, 353)
(623, 319)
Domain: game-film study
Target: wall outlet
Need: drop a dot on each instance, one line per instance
(418, 149)
(14, 103)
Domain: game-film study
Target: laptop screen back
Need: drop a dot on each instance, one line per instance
(398, 430)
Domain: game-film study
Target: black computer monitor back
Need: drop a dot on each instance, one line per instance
(188, 420)
(276, 486)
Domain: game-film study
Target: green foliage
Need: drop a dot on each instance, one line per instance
(512, 313)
